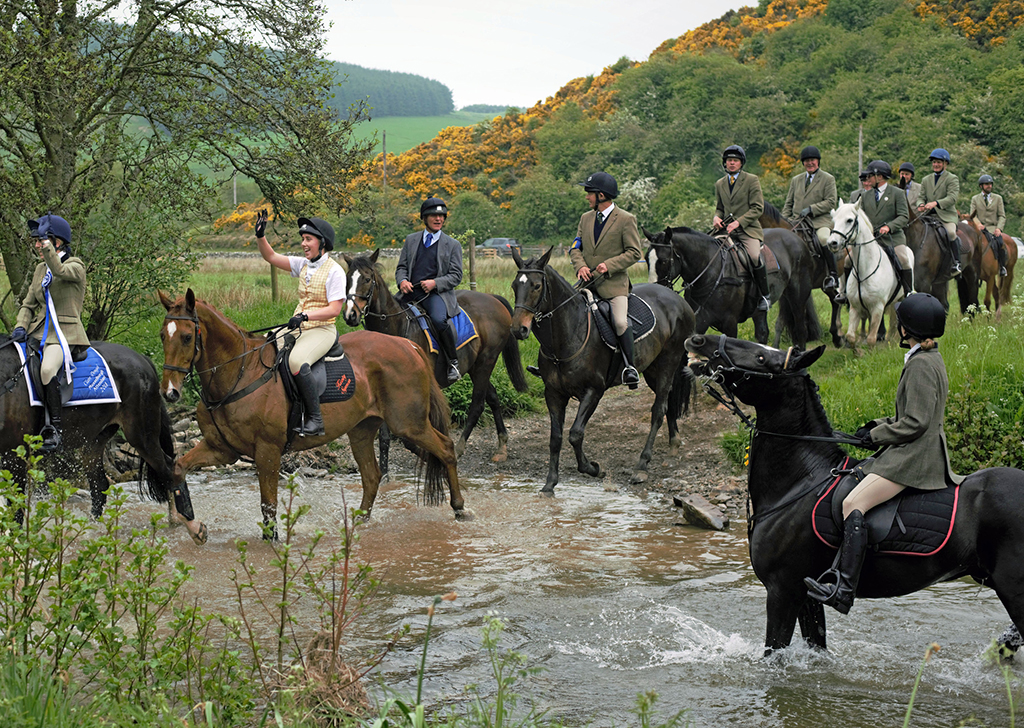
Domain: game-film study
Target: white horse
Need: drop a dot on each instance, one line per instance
(873, 285)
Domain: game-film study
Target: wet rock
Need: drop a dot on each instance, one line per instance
(182, 425)
(699, 512)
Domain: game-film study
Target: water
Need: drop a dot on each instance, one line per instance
(606, 593)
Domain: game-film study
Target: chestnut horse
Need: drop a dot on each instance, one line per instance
(244, 409)
(997, 288)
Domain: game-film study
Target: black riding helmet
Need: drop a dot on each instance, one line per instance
(880, 167)
(864, 174)
(734, 151)
(601, 182)
(922, 316)
(810, 153)
(433, 206)
(908, 167)
(320, 228)
(985, 179)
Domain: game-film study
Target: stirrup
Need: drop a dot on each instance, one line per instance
(764, 304)
(453, 371)
(51, 438)
(840, 297)
(825, 588)
(533, 369)
(956, 270)
(1002, 271)
(630, 376)
(312, 427)
(829, 282)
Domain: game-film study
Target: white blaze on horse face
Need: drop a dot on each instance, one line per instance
(350, 300)
(652, 266)
(522, 278)
(171, 328)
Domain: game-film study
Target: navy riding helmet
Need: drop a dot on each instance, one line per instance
(49, 225)
(320, 228)
(922, 316)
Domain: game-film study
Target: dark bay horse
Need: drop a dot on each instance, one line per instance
(968, 282)
(932, 259)
(792, 456)
(369, 301)
(722, 295)
(575, 363)
(244, 409)
(997, 288)
(140, 415)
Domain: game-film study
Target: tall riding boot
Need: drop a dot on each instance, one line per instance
(760, 274)
(840, 296)
(954, 249)
(313, 424)
(449, 345)
(831, 281)
(907, 281)
(52, 404)
(837, 586)
(1000, 251)
(630, 376)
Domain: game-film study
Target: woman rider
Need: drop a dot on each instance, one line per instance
(913, 445)
(51, 314)
(321, 297)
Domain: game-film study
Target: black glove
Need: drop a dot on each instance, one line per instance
(865, 429)
(261, 224)
(296, 321)
(19, 334)
(806, 212)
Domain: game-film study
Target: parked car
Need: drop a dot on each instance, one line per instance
(503, 246)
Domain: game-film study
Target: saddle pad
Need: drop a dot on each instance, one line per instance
(922, 525)
(465, 329)
(641, 319)
(91, 380)
(341, 380)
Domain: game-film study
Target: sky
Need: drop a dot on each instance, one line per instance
(512, 53)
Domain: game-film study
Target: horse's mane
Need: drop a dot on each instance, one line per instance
(362, 262)
(773, 213)
(223, 318)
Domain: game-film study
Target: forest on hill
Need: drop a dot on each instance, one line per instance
(389, 93)
(774, 78)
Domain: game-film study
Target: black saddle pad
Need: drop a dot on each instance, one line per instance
(641, 319)
(916, 522)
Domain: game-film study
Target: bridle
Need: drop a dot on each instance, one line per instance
(540, 316)
(689, 286)
(196, 344)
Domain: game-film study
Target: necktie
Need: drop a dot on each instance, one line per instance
(878, 195)
(986, 199)
(807, 181)
(426, 240)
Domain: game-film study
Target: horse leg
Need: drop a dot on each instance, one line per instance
(384, 442)
(663, 383)
(201, 455)
(476, 408)
(853, 326)
(92, 464)
(556, 402)
(360, 438)
(876, 319)
(836, 325)
(268, 469)
(812, 624)
(499, 424)
(783, 610)
(588, 403)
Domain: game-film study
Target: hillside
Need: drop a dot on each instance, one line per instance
(389, 93)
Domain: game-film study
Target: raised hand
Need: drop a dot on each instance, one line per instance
(261, 224)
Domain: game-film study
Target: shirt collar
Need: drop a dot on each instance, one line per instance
(314, 264)
(881, 189)
(607, 211)
(914, 350)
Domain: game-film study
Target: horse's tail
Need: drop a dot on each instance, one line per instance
(510, 355)
(158, 489)
(814, 332)
(682, 390)
(436, 480)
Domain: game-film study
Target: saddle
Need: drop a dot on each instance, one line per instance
(914, 523)
(742, 260)
(335, 380)
(642, 318)
(465, 328)
(91, 380)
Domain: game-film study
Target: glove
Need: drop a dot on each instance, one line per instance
(19, 334)
(867, 443)
(865, 430)
(261, 224)
(806, 212)
(296, 321)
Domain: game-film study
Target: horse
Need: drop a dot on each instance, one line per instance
(244, 410)
(932, 259)
(141, 416)
(369, 302)
(772, 218)
(968, 282)
(997, 288)
(794, 457)
(873, 285)
(574, 362)
(722, 295)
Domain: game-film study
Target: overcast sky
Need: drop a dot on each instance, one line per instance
(511, 53)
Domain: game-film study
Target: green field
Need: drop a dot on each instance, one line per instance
(405, 132)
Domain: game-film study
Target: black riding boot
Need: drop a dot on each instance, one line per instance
(449, 346)
(837, 586)
(534, 369)
(840, 295)
(1000, 250)
(760, 274)
(313, 424)
(907, 281)
(954, 250)
(630, 376)
(831, 282)
(52, 404)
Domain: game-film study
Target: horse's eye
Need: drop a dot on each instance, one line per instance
(185, 338)
(760, 359)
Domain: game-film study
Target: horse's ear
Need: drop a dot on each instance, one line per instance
(348, 260)
(841, 203)
(646, 234)
(859, 204)
(517, 258)
(804, 359)
(376, 254)
(190, 300)
(544, 258)
(166, 300)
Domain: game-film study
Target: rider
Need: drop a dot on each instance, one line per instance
(987, 208)
(432, 262)
(322, 284)
(813, 193)
(913, 443)
(939, 192)
(865, 185)
(738, 197)
(907, 183)
(52, 308)
(616, 231)
(888, 212)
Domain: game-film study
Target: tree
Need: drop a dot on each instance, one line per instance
(120, 116)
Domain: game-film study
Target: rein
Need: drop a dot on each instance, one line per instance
(540, 316)
(689, 285)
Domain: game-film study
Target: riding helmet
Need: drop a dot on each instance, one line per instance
(433, 206)
(985, 179)
(941, 154)
(922, 316)
(864, 174)
(319, 228)
(734, 151)
(880, 167)
(49, 225)
(601, 182)
(908, 167)
(810, 153)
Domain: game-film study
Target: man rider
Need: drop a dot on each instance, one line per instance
(939, 193)
(987, 208)
(865, 185)
(607, 243)
(738, 198)
(886, 207)
(431, 261)
(813, 194)
(907, 183)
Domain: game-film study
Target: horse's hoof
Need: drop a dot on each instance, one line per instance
(464, 515)
(199, 538)
(640, 476)
(500, 456)
(548, 492)
(673, 448)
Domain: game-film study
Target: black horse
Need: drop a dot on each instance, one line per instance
(575, 362)
(141, 415)
(720, 291)
(793, 455)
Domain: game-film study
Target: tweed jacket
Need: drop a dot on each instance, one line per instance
(744, 204)
(855, 195)
(913, 192)
(820, 196)
(892, 210)
(915, 453)
(67, 289)
(945, 193)
(449, 266)
(618, 248)
(992, 214)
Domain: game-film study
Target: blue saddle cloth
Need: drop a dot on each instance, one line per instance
(91, 380)
(465, 329)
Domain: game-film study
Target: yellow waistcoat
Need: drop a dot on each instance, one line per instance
(313, 295)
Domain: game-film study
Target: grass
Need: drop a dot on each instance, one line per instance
(405, 132)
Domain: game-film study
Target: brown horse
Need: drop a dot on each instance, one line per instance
(997, 288)
(244, 409)
(932, 259)
(967, 283)
(370, 302)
